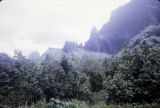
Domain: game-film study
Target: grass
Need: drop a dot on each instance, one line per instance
(82, 104)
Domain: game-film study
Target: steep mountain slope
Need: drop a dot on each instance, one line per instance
(151, 36)
(125, 23)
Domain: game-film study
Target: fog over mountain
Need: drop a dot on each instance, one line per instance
(118, 67)
(35, 25)
(125, 23)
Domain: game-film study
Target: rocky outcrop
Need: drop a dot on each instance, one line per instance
(150, 36)
(34, 56)
(70, 46)
(124, 24)
(93, 42)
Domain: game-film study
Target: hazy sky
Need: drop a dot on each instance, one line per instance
(31, 25)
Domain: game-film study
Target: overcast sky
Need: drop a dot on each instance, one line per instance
(35, 25)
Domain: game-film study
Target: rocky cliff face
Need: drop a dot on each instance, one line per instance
(150, 36)
(124, 24)
(70, 46)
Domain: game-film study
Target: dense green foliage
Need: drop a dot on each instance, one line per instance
(131, 77)
(134, 76)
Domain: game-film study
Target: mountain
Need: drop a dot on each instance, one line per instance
(151, 36)
(34, 56)
(70, 46)
(125, 22)
(58, 54)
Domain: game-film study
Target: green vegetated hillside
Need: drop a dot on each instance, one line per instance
(83, 79)
(76, 77)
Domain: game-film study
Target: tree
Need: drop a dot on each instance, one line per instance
(96, 81)
(5, 77)
(135, 78)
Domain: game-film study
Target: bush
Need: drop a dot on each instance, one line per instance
(134, 76)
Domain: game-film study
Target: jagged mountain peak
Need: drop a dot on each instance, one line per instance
(94, 32)
(125, 22)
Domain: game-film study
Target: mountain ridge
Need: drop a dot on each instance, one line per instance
(125, 22)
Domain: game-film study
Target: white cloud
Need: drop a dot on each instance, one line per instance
(38, 24)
